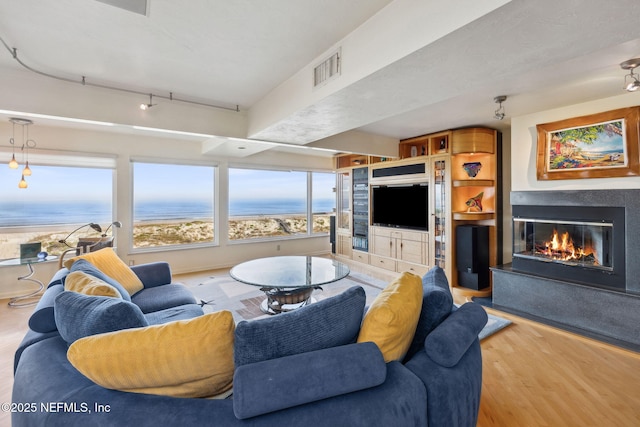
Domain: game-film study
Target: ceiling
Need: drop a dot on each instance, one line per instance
(542, 55)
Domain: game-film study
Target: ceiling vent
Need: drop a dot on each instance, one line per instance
(327, 70)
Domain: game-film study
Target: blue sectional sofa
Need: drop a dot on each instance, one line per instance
(298, 368)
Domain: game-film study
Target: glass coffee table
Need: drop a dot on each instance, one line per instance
(288, 281)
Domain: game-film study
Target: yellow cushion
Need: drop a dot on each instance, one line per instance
(393, 316)
(108, 262)
(184, 358)
(81, 282)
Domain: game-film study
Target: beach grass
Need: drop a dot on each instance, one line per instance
(170, 232)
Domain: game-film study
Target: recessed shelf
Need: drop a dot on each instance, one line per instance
(473, 183)
(473, 216)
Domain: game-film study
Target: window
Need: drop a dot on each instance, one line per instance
(270, 203)
(172, 204)
(323, 200)
(58, 200)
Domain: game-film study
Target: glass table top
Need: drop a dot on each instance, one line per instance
(25, 261)
(289, 271)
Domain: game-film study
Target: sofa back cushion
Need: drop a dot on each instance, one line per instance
(79, 315)
(437, 303)
(391, 319)
(86, 267)
(108, 262)
(328, 323)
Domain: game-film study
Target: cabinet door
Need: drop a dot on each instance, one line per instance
(343, 216)
(439, 226)
(384, 246)
(411, 251)
(343, 245)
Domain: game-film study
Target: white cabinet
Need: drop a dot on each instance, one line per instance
(399, 250)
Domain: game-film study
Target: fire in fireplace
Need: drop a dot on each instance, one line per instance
(553, 242)
(586, 244)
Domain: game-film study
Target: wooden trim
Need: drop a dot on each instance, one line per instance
(631, 118)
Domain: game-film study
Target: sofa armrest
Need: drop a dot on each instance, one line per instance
(285, 382)
(451, 339)
(153, 274)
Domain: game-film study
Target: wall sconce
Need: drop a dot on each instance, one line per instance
(26, 144)
(631, 82)
(499, 113)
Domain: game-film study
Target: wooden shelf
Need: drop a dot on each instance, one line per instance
(473, 183)
(473, 216)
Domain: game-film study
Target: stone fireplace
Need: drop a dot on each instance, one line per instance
(575, 262)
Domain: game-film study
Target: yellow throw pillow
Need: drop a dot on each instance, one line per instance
(393, 316)
(184, 358)
(108, 262)
(82, 283)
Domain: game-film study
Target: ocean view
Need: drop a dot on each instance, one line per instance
(14, 214)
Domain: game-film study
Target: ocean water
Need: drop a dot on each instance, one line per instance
(14, 214)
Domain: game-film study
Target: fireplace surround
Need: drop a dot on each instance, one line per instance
(593, 287)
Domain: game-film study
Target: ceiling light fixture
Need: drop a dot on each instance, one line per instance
(631, 80)
(26, 144)
(499, 113)
(144, 106)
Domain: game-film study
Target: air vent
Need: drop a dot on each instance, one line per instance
(327, 70)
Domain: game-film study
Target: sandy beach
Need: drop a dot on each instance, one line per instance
(165, 233)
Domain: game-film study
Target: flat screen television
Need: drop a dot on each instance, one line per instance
(401, 206)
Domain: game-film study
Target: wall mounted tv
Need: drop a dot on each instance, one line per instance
(401, 206)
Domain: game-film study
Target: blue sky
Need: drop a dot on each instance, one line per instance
(156, 181)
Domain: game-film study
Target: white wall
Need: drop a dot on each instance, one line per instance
(127, 147)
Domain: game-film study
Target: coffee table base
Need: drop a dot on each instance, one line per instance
(281, 300)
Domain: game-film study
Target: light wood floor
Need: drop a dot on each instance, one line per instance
(533, 375)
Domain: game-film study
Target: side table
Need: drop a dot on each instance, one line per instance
(25, 300)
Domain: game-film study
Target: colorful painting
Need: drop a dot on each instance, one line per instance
(600, 145)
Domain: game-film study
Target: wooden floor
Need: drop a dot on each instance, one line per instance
(533, 375)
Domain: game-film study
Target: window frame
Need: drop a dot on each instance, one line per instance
(215, 197)
(308, 203)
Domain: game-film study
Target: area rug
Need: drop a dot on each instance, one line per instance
(222, 292)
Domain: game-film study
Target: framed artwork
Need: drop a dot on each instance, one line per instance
(600, 145)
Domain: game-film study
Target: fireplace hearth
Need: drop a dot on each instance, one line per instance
(575, 262)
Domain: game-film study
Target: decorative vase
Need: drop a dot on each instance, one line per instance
(472, 168)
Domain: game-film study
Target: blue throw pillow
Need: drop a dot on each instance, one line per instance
(263, 387)
(437, 303)
(328, 323)
(79, 315)
(43, 320)
(90, 269)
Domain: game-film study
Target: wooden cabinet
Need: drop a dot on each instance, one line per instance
(395, 250)
(462, 169)
(476, 197)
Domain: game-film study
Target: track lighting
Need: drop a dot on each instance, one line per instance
(631, 80)
(144, 106)
(499, 113)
